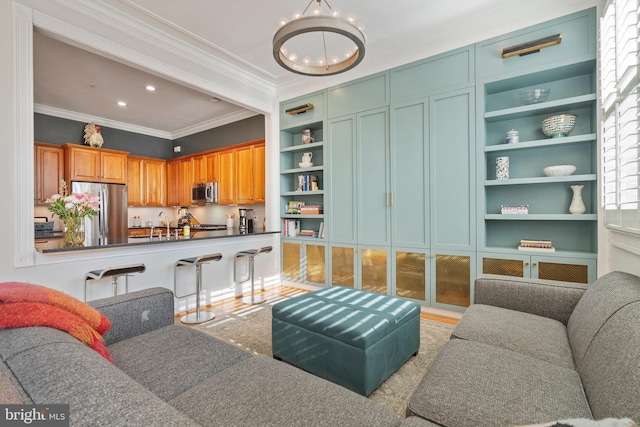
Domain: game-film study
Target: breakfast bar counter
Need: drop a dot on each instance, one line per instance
(56, 245)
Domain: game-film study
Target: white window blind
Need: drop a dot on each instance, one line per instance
(620, 148)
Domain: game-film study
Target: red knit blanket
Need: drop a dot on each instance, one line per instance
(24, 304)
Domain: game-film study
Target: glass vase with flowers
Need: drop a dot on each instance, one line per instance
(72, 209)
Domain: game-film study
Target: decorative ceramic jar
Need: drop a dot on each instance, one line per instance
(502, 168)
(306, 137)
(513, 137)
(577, 205)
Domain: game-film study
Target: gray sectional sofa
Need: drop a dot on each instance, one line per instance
(527, 352)
(169, 375)
(532, 351)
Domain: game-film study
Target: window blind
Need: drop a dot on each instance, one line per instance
(620, 147)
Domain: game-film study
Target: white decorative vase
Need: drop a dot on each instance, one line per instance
(502, 168)
(577, 205)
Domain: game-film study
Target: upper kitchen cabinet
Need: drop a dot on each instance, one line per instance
(226, 177)
(95, 164)
(179, 181)
(146, 181)
(49, 171)
(250, 174)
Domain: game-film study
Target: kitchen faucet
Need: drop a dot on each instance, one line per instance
(166, 221)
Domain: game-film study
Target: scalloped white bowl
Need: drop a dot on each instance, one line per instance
(559, 170)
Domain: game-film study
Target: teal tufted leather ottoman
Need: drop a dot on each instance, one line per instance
(351, 337)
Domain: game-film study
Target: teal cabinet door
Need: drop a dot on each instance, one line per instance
(410, 174)
(373, 178)
(452, 170)
(342, 160)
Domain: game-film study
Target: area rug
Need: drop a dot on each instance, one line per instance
(250, 329)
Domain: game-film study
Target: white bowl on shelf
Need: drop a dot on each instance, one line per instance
(305, 165)
(559, 170)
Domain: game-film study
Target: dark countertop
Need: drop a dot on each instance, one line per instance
(56, 245)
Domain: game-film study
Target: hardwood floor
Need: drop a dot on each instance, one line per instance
(231, 305)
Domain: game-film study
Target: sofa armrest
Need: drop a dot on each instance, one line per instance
(548, 298)
(136, 313)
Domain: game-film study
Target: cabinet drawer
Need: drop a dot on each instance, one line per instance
(578, 43)
(437, 74)
(360, 95)
(315, 115)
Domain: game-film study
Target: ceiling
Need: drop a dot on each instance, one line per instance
(71, 80)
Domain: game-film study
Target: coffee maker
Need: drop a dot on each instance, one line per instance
(250, 220)
(242, 219)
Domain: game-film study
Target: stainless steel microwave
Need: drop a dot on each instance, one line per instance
(202, 194)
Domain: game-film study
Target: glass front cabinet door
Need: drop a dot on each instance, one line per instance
(304, 262)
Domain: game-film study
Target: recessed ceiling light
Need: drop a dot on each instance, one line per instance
(214, 99)
(150, 88)
(122, 103)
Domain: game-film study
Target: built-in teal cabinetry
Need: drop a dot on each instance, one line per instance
(569, 71)
(302, 254)
(406, 160)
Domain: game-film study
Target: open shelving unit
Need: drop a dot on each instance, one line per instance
(572, 90)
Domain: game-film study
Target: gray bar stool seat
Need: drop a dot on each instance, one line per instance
(250, 254)
(200, 315)
(114, 273)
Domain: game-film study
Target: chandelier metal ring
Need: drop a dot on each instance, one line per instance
(313, 24)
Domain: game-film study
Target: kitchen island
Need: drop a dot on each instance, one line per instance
(160, 257)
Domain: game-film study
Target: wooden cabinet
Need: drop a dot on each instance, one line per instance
(199, 165)
(179, 181)
(49, 171)
(95, 164)
(146, 181)
(226, 177)
(212, 165)
(250, 174)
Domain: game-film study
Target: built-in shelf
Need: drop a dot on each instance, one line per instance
(301, 193)
(508, 250)
(301, 170)
(302, 147)
(301, 216)
(542, 217)
(541, 180)
(549, 107)
(542, 143)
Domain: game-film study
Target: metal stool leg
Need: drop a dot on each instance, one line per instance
(199, 316)
(253, 299)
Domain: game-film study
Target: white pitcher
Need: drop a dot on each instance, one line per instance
(306, 157)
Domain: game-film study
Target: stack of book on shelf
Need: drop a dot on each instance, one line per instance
(514, 209)
(309, 233)
(536, 245)
(307, 183)
(294, 207)
(311, 210)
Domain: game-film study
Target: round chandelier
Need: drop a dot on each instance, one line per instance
(319, 44)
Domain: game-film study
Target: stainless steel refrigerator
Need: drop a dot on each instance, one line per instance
(111, 224)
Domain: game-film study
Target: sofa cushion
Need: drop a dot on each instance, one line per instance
(187, 357)
(264, 392)
(610, 368)
(602, 299)
(11, 392)
(470, 384)
(54, 368)
(528, 334)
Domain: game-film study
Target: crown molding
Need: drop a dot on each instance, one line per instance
(213, 123)
(86, 118)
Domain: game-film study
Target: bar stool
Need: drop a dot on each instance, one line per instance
(114, 273)
(199, 316)
(250, 254)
